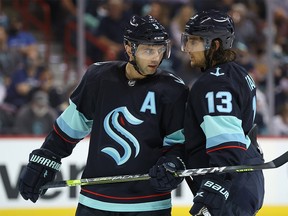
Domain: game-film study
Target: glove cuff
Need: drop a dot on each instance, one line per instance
(45, 158)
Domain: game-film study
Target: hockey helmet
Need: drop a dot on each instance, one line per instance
(210, 25)
(146, 30)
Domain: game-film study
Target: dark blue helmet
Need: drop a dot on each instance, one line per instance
(146, 30)
(211, 25)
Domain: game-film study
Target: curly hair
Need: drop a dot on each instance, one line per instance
(219, 56)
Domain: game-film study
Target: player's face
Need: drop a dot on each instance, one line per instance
(149, 57)
(194, 46)
(191, 43)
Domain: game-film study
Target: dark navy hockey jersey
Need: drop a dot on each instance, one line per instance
(131, 124)
(220, 112)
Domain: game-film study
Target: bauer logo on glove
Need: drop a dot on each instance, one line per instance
(218, 188)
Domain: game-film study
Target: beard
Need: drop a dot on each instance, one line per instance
(197, 64)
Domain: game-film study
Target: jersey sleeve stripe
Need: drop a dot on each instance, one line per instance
(223, 129)
(215, 125)
(225, 138)
(174, 138)
(62, 137)
(73, 123)
(225, 147)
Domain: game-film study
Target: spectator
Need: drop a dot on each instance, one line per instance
(8, 64)
(55, 93)
(281, 96)
(181, 61)
(159, 10)
(21, 40)
(2, 91)
(110, 32)
(280, 122)
(93, 14)
(245, 59)
(178, 23)
(24, 80)
(262, 109)
(244, 27)
(10, 60)
(3, 17)
(36, 117)
(7, 118)
(281, 27)
(223, 5)
(62, 12)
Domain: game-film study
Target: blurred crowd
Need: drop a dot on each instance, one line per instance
(30, 101)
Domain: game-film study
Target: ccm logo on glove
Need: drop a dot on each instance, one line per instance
(218, 188)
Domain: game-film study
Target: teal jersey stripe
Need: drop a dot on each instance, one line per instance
(74, 123)
(125, 207)
(223, 138)
(222, 129)
(174, 138)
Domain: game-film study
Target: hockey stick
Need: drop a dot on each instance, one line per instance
(277, 162)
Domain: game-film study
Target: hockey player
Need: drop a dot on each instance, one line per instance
(218, 124)
(134, 113)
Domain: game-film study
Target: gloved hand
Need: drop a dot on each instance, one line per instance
(163, 174)
(42, 168)
(213, 193)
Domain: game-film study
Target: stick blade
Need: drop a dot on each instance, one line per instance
(281, 160)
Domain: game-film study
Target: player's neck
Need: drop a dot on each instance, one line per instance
(131, 73)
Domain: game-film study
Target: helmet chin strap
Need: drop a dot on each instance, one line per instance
(133, 62)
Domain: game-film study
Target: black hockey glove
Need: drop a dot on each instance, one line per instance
(212, 195)
(42, 168)
(163, 174)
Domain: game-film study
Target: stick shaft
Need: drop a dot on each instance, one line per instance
(277, 162)
(99, 180)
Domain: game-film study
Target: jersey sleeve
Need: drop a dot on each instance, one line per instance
(76, 121)
(173, 121)
(216, 104)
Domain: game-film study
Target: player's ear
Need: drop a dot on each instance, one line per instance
(128, 50)
(215, 44)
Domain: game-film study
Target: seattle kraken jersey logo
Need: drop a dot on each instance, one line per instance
(217, 73)
(112, 125)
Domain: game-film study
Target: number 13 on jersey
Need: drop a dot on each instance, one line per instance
(224, 104)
